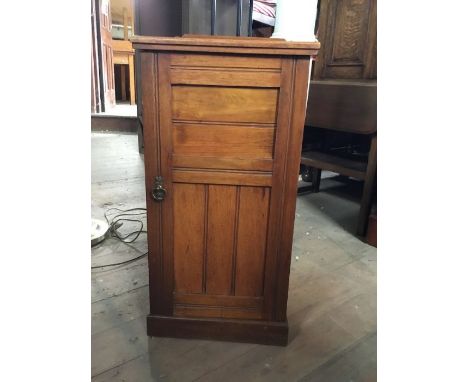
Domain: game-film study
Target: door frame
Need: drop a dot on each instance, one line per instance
(98, 43)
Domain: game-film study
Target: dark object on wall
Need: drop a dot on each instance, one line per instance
(154, 18)
(223, 122)
(343, 92)
(158, 17)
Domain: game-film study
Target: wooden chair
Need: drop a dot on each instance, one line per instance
(348, 108)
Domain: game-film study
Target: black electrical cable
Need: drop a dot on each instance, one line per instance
(121, 263)
(116, 222)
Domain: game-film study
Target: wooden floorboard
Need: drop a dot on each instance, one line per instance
(114, 311)
(357, 362)
(111, 283)
(331, 308)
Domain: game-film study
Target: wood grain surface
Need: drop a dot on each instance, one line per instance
(224, 104)
(227, 138)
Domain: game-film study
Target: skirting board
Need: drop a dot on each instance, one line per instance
(113, 123)
(258, 332)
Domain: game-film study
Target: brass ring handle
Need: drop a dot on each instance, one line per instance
(158, 192)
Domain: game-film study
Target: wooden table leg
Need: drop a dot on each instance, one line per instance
(122, 82)
(131, 73)
(369, 183)
(316, 177)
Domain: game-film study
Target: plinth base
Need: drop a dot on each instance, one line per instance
(258, 332)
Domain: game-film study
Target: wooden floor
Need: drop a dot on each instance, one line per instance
(332, 297)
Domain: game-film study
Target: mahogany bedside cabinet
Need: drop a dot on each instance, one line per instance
(223, 119)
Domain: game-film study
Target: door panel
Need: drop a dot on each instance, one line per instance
(231, 77)
(348, 32)
(189, 233)
(224, 61)
(222, 171)
(251, 240)
(222, 104)
(223, 140)
(221, 232)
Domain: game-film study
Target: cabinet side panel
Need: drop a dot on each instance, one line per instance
(254, 205)
(277, 191)
(301, 81)
(189, 233)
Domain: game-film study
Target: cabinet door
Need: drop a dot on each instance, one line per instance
(347, 30)
(219, 129)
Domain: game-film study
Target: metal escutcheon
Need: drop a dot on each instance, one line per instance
(158, 192)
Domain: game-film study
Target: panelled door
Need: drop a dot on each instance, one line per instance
(348, 31)
(216, 153)
(107, 54)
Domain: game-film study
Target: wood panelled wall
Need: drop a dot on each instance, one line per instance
(347, 30)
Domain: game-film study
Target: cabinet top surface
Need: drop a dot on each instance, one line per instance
(226, 44)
